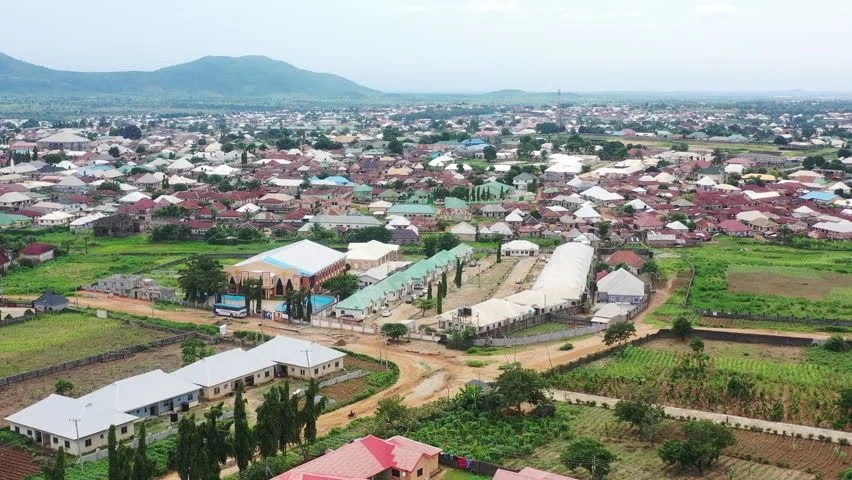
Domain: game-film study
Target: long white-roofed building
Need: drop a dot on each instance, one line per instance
(147, 395)
(294, 357)
(218, 375)
(75, 424)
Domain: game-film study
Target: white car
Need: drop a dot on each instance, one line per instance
(386, 313)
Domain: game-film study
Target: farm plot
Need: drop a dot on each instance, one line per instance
(792, 384)
(57, 338)
(638, 459)
(746, 276)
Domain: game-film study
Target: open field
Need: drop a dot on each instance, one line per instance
(547, 327)
(790, 384)
(91, 377)
(747, 276)
(756, 456)
(90, 258)
(57, 338)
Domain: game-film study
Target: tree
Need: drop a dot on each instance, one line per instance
(342, 286)
(187, 447)
(267, 431)
(394, 331)
(311, 410)
(253, 293)
(499, 252)
(143, 468)
(652, 269)
(702, 445)
(63, 386)
(779, 140)
(489, 153)
(425, 304)
(429, 291)
(682, 327)
(591, 455)
(243, 441)
(603, 229)
(443, 284)
(458, 277)
(195, 349)
(439, 302)
(131, 131)
(57, 470)
(380, 234)
(201, 278)
(395, 146)
(644, 416)
(740, 386)
(517, 385)
(114, 152)
(680, 147)
(392, 416)
(618, 333)
(836, 343)
(118, 458)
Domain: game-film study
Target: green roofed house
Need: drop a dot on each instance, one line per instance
(492, 191)
(413, 210)
(363, 193)
(455, 209)
(413, 279)
(8, 220)
(419, 196)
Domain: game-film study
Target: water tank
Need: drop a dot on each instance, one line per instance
(223, 329)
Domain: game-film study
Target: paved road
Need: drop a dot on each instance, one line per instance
(745, 422)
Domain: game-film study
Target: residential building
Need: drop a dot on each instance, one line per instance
(621, 286)
(298, 358)
(218, 374)
(50, 302)
(413, 210)
(36, 253)
(345, 221)
(147, 395)
(519, 248)
(367, 255)
(74, 424)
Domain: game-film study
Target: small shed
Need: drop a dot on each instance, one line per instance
(50, 302)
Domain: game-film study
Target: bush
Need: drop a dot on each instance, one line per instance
(836, 343)
(567, 346)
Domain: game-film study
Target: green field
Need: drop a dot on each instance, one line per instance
(91, 258)
(56, 338)
(793, 384)
(638, 459)
(747, 276)
(547, 327)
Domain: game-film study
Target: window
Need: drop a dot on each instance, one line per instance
(124, 429)
(67, 444)
(17, 429)
(88, 442)
(102, 436)
(420, 472)
(29, 432)
(55, 440)
(336, 364)
(395, 473)
(303, 372)
(316, 371)
(216, 391)
(266, 373)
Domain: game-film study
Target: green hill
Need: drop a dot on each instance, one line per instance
(248, 76)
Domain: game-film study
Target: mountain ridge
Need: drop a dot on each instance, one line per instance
(223, 76)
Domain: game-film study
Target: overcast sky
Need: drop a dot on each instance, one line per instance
(460, 45)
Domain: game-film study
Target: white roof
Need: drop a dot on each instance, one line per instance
(133, 197)
(223, 367)
(180, 164)
(677, 225)
(839, 227)
(501, 228)
(706, 182)
(249, 207)
(372, 250)
(11, 197)
(305, 256)
(87, 219)
(169, 198)
(64, 136)
(292, 351)
(285, 182)
(55, 216)
(519, 245)
(586, 211)
(621, 282)
(599, 193)
(54, 414)
(140, 391)
(463, 228)
(565, 274)
(494, 310)
(178, 180)
(758, 195)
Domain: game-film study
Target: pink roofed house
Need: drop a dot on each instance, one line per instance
(371, 457)
(528, 473)
(735, 229)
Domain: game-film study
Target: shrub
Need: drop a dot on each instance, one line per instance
(566, 346)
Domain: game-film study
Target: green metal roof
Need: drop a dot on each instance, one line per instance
(376, 293)
(454, 203)
(411, 208)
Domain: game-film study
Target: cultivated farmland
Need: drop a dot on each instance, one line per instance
(756, 456)
(791, 384)
(56, 338)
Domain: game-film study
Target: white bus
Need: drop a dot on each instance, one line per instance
(227, 310)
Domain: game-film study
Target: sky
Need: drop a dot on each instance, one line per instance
(461, 45)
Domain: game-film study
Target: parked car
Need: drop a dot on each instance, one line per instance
(386, 313)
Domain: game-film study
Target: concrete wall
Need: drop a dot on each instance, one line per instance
(71, 445)
(226, 388)
(315, 371)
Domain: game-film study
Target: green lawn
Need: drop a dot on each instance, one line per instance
(455, 474)
(57, 338)
(547, 327)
